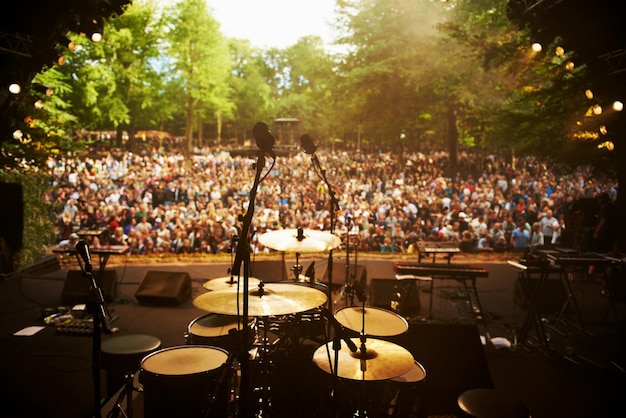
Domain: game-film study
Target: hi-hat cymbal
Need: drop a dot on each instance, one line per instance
(229, 282)
(271, 299)
(374, 321)
(381, 360)
(299, 240)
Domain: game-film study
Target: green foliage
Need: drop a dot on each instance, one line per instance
(38, 227)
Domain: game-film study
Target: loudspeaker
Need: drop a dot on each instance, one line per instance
(77, 289)
(270, 271)
(383, 292)
(401, 296)
(359, 273)
(164, 288)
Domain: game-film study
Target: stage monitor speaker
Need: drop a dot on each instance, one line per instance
(77, 289)
(270, 271)
(164, 288)
(400, 296)
(359, 274)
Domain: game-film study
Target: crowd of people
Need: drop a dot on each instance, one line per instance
(160, 203)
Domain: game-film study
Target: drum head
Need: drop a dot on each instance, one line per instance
(184, 360)
(213, 325)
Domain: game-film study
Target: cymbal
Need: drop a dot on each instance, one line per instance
(379, 322)
(229, 282)
(272, 299)
(299, 240)
(382, 360)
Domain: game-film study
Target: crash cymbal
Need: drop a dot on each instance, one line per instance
(299, 240)
(229, 282)
(271, 299)
(379, 322)
(381, 360)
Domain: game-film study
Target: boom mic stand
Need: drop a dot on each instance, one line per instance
(100, 320)
(336, 346)
(242, 256)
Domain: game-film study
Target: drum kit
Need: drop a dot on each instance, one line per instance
(364, 358)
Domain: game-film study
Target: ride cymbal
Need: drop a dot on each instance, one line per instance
(264, 300)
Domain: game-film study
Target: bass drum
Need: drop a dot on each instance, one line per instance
(186, 381)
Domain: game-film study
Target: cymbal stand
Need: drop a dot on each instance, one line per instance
(242, 256)
(231, 250)
(263, 353)
(336, 347)
(334, 207)
(361, 412)
(349, 284)
(297, 268)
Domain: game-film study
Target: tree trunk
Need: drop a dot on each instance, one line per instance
(452, 135)
(218, 139)
(200, 132)
(189, 126)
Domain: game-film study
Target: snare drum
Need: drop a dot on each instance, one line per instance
(185, 381)
(212, 329)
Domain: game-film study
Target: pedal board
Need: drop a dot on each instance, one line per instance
(76, 327)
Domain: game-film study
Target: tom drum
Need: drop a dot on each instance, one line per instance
(186, 381)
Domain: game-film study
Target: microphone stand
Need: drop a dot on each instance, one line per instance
(100, 322)
(336, 346)
(334, 206)
(242, 256)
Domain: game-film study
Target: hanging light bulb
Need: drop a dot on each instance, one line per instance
(589, 94)
(15, 88)
(597, 109)
(618, 106)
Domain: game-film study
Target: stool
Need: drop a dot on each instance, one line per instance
(121, 355)
(491, 403)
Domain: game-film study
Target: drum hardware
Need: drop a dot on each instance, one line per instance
(127, 393)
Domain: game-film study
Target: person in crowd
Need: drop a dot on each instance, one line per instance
(157, 192)
(520, 237)
(549, 224)
(536, 236)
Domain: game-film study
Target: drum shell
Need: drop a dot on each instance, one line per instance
(212, 330)
(189, 395)
(398, 397)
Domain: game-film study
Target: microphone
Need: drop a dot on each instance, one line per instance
(338, 328)
(308, 144)
(264, 138)
(83, 251)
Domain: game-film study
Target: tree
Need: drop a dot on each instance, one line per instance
(397, 83)
(199, 62)
(116, 83)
